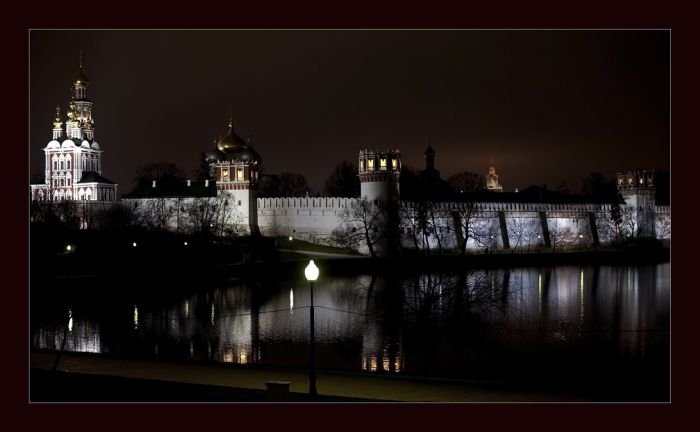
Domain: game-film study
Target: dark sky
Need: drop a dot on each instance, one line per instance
(546, 106)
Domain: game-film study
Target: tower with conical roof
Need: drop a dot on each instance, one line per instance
(73, 159)
(235, 166)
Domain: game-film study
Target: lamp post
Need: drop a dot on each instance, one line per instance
(311, 273)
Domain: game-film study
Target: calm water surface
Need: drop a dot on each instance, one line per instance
(557, 321)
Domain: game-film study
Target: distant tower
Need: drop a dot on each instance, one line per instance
(73, 160)
(236, 167)
(639, 192)
(430, 173)
(379, 172)
(492, 184)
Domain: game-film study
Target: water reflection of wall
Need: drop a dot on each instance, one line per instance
(83, 335)
(439, 323)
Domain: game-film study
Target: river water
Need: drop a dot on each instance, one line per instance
(557, 323)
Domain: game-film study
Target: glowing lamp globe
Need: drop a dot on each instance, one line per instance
(311, 271)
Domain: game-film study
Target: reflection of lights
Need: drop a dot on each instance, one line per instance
(290, 238)
(70, 320)
(228, 357)
(133, 244)
(539, 292)
(136, 317)
(187, 309)
(68, 248)
(291, 300)
(191, 348)
(373, 363)
(185, 243)
(385, 364)
(397, 365)
(243, 358)
(212, 314)
(581, 292)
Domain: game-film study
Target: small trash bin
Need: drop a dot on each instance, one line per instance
(278, 391)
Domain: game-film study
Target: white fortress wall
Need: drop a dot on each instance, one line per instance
(307, 218)
(314, 218)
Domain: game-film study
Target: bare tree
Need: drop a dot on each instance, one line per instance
(363, 221)
(159, 213)
(467, 182)
(293, 185)
(343, 181)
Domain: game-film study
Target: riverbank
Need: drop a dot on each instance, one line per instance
(193, 267)
(95, 378)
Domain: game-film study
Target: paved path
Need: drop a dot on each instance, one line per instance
(336, 384)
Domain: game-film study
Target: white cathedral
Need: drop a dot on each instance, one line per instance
(73, 159)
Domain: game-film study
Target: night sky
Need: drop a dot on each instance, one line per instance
(546, 106)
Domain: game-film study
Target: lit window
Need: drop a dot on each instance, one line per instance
(370, 164)
(362, 165)
(394, 163)
(641, 181)
(382, 164)
(224, 173)
(239, 174)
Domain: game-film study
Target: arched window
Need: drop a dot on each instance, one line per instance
(68, 163)
(55, 165)
(68, 181)
(84, 161)
(61, 162)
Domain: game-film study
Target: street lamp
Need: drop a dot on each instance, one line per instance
(311, 273)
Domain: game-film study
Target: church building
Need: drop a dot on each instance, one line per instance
(73, 159)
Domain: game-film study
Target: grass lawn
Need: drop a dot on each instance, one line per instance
(301, 245)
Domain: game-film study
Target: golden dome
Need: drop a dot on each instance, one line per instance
(231, 142)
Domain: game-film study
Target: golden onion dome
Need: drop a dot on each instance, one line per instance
(231, 142)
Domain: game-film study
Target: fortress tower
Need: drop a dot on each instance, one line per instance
(379, 172)
(235, 166)
(638, 190)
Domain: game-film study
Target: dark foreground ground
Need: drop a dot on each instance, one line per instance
(95, 378)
